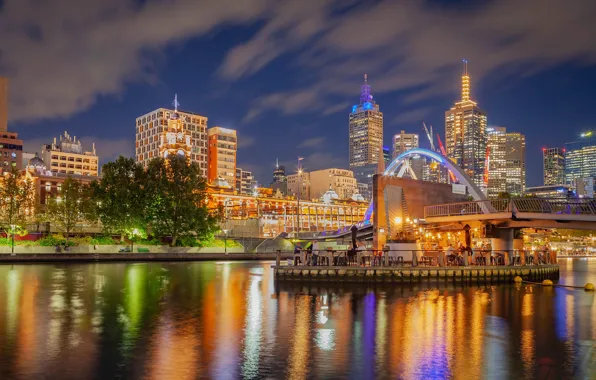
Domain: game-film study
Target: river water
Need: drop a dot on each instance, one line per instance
(231, 320)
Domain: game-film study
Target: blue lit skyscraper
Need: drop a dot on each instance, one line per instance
(366, 130)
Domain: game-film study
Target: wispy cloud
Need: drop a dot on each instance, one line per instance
(313, 142)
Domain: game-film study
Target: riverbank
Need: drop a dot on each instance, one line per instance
(132, 256)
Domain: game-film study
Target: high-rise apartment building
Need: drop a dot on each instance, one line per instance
(341, 181)
(3, 104)
(223, 146)
(366, 130)
(152, 126)
(403, 142)
(299, 185)
(67, 156)
(465, 133)
(245, 182)
(553, 160)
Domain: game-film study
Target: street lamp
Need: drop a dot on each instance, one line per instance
(134, 233)
(225, 242)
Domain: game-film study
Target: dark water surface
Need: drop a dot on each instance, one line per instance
(230, 320)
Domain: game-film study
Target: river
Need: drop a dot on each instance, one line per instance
(220, 320)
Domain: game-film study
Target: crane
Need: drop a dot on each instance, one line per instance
(430, 136)
(453, 179)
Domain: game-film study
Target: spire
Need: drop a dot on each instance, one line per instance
(365, 95)
(176, 104)
(465, 83)
(277, 163)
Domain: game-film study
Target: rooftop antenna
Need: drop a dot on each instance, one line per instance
(277, 163)
(176, 104)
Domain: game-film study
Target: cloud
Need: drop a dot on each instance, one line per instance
(415, 115)
(246, 141)
(318, 161)
(416, 46)
(314, 142)
(60, 56)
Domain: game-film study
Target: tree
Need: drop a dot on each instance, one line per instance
(17, 202)
(176, 200)
(72, 207)
(120, 198)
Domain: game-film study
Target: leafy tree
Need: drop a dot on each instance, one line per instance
(72, 207)
(504, 195)
(176, 200)
(17, 202)
(120, 198)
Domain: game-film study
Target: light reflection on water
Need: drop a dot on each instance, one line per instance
(206, 320)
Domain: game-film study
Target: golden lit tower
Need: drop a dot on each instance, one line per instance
(175, 139)
(465, 133)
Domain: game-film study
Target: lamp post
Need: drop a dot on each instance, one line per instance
(134, 233)
(299, 191)
(225, 242)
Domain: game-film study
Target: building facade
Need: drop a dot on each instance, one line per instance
(67, 156)
(551, 191)
(299, 185)
(506, 169)
(365, 130)
(223, 145)
(553, 164)
(465, 134)
(279, 173)
(3, 104)
(151, 126)
(11, 151)
(403, 142)
(341, 181)
(245, 182)
(580, 162)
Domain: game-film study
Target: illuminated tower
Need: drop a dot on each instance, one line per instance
(152, 126)
(222, 155)
(465, 133)
(553, 160)
(175, 139)
(366, 130)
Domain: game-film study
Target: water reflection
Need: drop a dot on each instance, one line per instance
(231, 320)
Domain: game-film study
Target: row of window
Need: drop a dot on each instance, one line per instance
(73, 159)
(11, 146)
(160, 114)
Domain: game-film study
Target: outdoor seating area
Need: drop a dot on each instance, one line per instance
(420, 258)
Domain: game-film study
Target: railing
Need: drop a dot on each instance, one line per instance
(419, 258)
(555, 206)
(468, 208)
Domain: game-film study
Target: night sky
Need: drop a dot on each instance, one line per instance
(284, 74)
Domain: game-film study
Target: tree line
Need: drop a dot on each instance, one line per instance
(167, 199)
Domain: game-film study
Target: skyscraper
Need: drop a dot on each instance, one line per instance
(3, 104)
(366, 130)
(506, 163)
(404, 141)
(279, 173)
(222, 155)
(515, 158)
(151, 126)
(580, 162)
(465, 133)
(553, 160)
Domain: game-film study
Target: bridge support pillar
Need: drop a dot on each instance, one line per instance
(503, 240)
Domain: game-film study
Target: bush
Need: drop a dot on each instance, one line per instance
(82, 240)
(54, 240)
(149, 242)
(102, 240)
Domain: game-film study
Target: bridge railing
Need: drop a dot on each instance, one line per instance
(555, 206)
(468, 208)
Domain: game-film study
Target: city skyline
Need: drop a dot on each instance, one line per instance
(312, 123)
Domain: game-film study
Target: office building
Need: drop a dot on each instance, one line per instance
(341, 181)
(67, 156)
(465, 133)
(152, 126)
(11, 151)
(365, 130)
(403, 142)
(580, 162)
(506, 169)
(245, 182)
(279, 173)
(551, 191)
(298, 185)
(222, 155)
(553, 160)
(3, 104)
(386, 155)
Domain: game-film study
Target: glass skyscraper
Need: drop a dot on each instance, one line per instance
(465, 134)
(580, 163)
